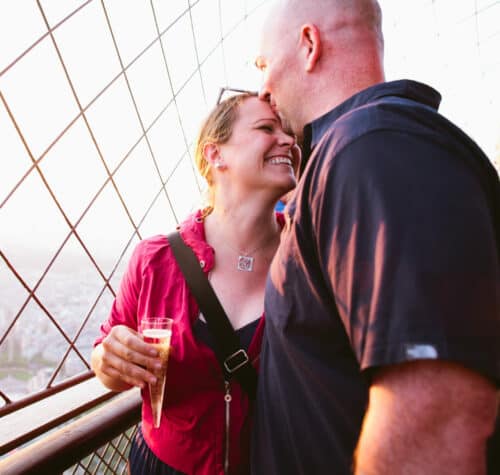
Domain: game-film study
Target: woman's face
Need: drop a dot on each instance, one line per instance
(258, 155)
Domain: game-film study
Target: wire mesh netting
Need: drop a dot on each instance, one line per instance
(111, 458)
(100, 101)
(99, 112)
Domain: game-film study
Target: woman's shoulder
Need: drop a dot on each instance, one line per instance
(150, 250)
(158, 246)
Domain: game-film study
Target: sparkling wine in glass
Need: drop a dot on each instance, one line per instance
(157, 332)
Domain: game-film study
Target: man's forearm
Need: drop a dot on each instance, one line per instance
(419, 452)
(427, 418)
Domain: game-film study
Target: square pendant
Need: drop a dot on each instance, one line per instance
(245, 263)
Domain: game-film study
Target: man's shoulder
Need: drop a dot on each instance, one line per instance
(369, 127)
(376, 121)
(379, 117)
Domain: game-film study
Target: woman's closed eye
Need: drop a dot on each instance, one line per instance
(266, 128)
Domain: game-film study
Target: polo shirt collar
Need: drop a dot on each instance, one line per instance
(405, 88)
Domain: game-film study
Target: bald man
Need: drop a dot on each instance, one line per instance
(382, 345)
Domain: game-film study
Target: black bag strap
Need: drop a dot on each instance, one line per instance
(233, 359)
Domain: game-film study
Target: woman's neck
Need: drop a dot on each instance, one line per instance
(243, 227)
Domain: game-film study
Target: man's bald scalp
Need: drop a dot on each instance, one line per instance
(330, 14)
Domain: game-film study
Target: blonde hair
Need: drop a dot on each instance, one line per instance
(217, 128)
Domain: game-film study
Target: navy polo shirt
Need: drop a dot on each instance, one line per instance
(390, 253)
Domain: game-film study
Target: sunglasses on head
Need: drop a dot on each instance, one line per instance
(227, 92)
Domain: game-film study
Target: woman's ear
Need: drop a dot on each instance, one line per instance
(310, 40)
(212, 155)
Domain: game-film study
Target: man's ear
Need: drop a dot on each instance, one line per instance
(310, 39)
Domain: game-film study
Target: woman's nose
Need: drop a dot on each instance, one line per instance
(286, 139)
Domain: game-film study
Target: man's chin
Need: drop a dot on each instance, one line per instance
(299, 137)
(285, 122)
(290, 127)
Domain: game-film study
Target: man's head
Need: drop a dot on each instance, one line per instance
(316, 53)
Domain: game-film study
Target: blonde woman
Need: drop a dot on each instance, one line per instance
(249, 162)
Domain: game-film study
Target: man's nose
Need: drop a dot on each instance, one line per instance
(264, 94)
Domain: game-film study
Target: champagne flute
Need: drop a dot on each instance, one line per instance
(157, 332)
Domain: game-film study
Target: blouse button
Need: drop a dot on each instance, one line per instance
(202, 264)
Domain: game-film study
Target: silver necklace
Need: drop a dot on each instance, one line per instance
(245, 259)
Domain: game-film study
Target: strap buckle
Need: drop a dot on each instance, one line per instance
(235, 361)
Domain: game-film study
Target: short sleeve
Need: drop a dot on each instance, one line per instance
(124, 308)
(407, 245)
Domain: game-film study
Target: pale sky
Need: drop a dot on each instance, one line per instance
(451, 44)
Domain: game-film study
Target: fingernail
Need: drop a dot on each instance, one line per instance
(153, 352)
(157, 365)
(152, 380)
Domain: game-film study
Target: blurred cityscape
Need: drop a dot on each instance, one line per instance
(34, 347)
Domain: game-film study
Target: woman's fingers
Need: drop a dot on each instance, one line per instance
(127, 368)
(125, 355)
(133, 341)
(131, 380)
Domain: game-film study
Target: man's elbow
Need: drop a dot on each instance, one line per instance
(428, 414)
(474, 422)
(465, 434)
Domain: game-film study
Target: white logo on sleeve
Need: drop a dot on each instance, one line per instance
(417, 351)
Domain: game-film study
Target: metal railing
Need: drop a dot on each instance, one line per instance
(98, 442)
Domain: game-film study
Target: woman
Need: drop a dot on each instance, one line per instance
(247, 160)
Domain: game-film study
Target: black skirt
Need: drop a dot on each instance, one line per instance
(142, 460)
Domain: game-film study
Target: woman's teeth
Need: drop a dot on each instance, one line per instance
(278, 160)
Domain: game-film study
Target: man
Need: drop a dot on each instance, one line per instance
(382, 344)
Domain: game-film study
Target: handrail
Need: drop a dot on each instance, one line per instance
(13, 406)
(63, 448)
(29, 422)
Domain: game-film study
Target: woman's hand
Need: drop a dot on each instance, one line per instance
(120, 361)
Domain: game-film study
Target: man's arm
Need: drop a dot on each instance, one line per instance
(426, 417)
